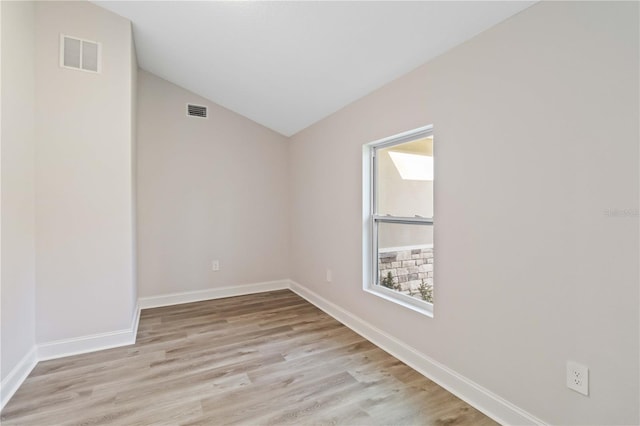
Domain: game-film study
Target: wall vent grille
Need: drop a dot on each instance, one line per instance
(196, 111)
(79, 54)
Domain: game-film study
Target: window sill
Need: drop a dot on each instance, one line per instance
(418, 306)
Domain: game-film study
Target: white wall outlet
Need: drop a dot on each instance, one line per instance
(215, 265)
(578, 377)
(329, 277)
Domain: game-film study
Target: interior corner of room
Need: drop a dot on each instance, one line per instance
(123, 191)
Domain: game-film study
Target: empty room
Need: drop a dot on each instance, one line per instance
(320, 212)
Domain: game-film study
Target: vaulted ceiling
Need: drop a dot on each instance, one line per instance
(287, 64)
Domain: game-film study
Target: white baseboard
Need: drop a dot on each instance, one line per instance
(475, 395)
(113, 339)
(211, 293)
(14, 379)
(90, 343)
(484, 400)
(96, 342)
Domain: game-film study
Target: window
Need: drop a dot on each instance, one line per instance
(398, 219)
(79, 54)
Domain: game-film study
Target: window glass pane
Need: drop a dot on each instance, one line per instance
(71, 52)
(405, 179)
(89, 56)
(405, 259)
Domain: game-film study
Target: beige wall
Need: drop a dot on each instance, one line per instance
(507, 201)
(17, 288)
(84, 182)
(208, 189)
(134, 169)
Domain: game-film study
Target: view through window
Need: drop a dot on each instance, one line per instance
(402, 217)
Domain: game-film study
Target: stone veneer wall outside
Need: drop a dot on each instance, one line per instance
(408, 267)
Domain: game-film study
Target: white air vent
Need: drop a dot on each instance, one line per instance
(196, 111)
(79, 54)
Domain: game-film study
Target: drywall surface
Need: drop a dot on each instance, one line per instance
(208, 189)
(536, 126)
(134, 171)
(18, 211)
(84, 182)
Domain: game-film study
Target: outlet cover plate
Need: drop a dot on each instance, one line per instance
(578, 377)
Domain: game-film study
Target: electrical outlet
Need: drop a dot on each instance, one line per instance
(329, 277)
(215, 265)
(578, 377)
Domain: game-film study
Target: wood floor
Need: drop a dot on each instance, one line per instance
(269, 358)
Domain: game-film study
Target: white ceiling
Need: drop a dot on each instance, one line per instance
(286, 64)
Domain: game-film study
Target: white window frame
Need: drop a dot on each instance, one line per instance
(61, 54)
(371, 220)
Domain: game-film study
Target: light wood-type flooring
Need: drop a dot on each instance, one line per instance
(268, 358)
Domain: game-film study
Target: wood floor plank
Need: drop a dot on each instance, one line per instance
(264, 359)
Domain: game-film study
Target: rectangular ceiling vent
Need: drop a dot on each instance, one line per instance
(196, 111)
(79, 54)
